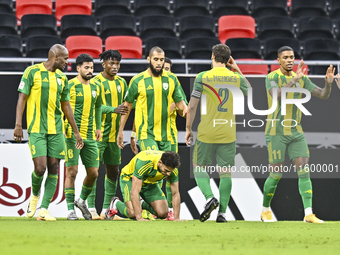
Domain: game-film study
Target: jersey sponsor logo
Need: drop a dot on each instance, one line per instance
(21, 85)
(119, 88)
(165, 86)
(45, 79)
(94, 93)
(79, 94)
(107, 92)
(59, 81)
(62, 153)
(150, 87)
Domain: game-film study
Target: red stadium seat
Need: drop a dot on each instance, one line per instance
(297, 61)
(33, 7)
(79, 44)
(235, 26)
(66, 7)
(128, 46)
(252, 69)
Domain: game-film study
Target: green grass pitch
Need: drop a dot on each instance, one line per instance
(29, 236)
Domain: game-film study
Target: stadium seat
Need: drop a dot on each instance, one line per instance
(38, 46)
(230, 7)
(297, 61)
(135, 68)
(271, 46)
(112, 7)
(128, 46)
(6, 6)
(307, 8)
(196, 26)
(244, 48)
(334, 11)
(8, 24)
(38, 24)
(157, 25)
(191, 7)
(337, 28)
(170, 45)
(252, 69)
(67, 7)
(24, 7)
(79, 44)
(314, 27)
(269, 8)
(11, 47)
(117, 25)
(273, 27)
(235, 26)
(77, 25)
(151, 7)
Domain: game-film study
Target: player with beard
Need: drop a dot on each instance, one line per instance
(280, 138)
(86, 105)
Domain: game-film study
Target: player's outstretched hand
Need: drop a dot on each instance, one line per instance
(120, 140)
(189, 135)
(121, 109)
(79, 141)
(330, 75)
(337, 80)
(133, 145)
(18, 134)
(299, 71)
(98, 134)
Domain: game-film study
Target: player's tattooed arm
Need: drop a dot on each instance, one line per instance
(326, 91)
(337, 80)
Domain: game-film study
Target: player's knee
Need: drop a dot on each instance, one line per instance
(93, 174)
(162, 214)
(40, 170)
(71, 174)
(53, 168)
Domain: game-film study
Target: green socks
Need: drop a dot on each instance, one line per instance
(270, 187)
(110, 191)
(305, 187)
(122, 208)
(69, 194)
(146, 206)
(168, 194)
(85, 191)
(36, 183)
(203, 182)
(91, 199)
(50, 187)
(225, 191)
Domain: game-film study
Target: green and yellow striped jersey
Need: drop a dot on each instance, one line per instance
(154, 95)
(86, 105)
(113, 93)
(45, 90)
(144, 166)
(278, 79)
(216, 125)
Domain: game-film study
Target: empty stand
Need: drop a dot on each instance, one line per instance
(128, 46)
(6, 6)
(191, 7)
(235, 26)
(271, 46)
(77, 25)
(269, 8)
(11, 47)
(117, 25)
(230, 7)
(79, 44)
(252, 69)
(112, 7)
(8, 24)
(157, 25)
(196, 26)
(170, 45)
(24, 7)
(151, 7)
(306, 8)
(314, 27)
(38, 46)
(334, 12)
(67, 7)
(244, 48)
(273, 27)
(38, 24)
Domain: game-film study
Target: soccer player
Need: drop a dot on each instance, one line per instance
(113, 90)
(86, 105)
(290, 137)
(44, 88)
(140, 178)
(215, 140)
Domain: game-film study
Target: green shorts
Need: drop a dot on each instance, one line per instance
(204, 152)
(277, 145)
(51, 145)
(110, 153)
(150, 144)
(149, 192)
(89, 153)
(174, 147)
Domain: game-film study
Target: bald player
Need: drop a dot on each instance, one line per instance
(44, 88)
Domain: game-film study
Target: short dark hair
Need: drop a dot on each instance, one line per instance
(157, 49)
(284, 48)
(111, 54)
(222, 53)
(168, 60)
(171, 159)
(83, 58)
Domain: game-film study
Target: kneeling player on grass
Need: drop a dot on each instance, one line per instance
(140, 178)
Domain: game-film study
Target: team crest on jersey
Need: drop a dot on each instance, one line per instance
(119, 88)
(94, 93)
(59, 81)
(21, 85)
(165, 86)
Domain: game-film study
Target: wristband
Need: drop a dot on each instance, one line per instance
(133, 134)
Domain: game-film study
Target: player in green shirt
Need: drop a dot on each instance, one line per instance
(215, 140)
(140, 178)
(44, 88)
(86, 104)
(286, 134)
